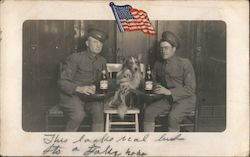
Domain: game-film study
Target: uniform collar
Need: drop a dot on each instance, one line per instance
(169, 60)
(91, 56)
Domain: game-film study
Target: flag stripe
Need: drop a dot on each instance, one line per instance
(145, 32)
(136, 28)
(141, 27)
(136, 24)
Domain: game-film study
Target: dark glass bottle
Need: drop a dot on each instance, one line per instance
(103, 81)
(148, 81)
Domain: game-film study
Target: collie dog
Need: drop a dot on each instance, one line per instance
(128, 79)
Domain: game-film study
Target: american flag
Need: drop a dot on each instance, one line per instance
(131, 19)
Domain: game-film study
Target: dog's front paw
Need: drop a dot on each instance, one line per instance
(121, 110)
(110, 104)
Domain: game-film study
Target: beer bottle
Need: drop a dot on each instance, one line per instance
(104, 80)
(148, 81)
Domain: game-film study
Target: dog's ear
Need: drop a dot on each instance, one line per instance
(139, 57)
(122, 59)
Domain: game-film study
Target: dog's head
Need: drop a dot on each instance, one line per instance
(133, 64)
(130, 72)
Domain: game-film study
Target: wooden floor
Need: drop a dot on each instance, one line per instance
(212, 119)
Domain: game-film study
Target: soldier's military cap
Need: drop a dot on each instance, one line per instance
(170, 38)
(97, 34)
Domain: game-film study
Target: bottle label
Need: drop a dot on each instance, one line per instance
(104, 84)
(149, 85)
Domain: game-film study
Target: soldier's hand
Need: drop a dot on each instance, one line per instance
(85, 89)
(159, 89)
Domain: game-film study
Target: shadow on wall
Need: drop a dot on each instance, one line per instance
(81, 46)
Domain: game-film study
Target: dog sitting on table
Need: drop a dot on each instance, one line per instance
(128, 79)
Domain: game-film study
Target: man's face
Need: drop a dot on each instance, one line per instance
(167, 50)
(94, 45)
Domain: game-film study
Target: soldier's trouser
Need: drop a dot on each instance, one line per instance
(177, 112)
(75, 109)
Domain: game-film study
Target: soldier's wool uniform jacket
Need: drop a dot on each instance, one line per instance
(177, 74)
(80, 69)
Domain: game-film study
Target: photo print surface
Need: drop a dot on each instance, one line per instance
(48, 46)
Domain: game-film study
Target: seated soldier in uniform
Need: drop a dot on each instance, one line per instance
(79, 74)
(175, 78)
